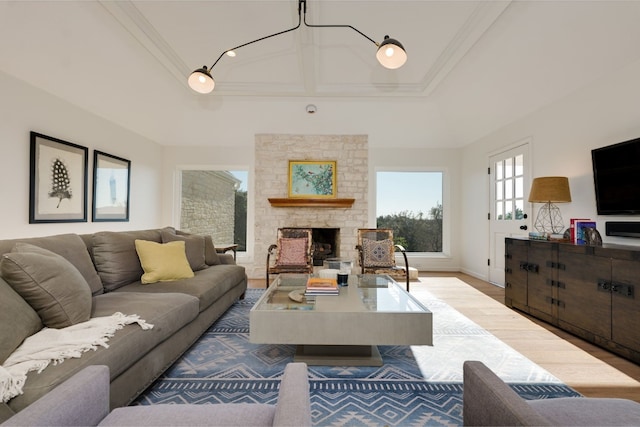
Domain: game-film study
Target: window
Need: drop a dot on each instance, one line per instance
(214, 202)
(410, 203)
(509, 188)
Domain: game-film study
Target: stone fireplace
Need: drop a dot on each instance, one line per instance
(273, 152)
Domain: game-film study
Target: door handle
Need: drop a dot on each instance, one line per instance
(523, 227)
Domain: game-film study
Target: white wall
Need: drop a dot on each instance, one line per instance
(24, 108)
(562, 137)
(242, 157)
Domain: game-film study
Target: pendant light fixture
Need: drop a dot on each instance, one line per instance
(390, 53)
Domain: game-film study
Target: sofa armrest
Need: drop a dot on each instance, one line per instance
(82, 400)
(226, 259)
(294, 402)
(488, 401)
(5, 412)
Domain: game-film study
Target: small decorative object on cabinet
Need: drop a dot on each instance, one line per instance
(589, 291)
(549, 190)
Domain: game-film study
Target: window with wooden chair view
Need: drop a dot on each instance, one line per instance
(376, 254)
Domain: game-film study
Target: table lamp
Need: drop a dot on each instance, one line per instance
(549, 190)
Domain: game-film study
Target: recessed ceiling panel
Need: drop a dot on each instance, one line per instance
(346, 58)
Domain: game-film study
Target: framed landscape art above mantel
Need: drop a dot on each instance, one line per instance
(312, 179)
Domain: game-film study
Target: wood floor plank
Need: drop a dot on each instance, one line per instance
(590, 370)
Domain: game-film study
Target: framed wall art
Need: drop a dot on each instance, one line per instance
(111, 185)
(312, 179)
(58, 180)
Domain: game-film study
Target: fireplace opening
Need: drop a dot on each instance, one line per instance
(325, 244)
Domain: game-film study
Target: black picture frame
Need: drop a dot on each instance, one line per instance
(57, 180)
(111, 187)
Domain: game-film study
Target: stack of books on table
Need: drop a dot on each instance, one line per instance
(321, 286)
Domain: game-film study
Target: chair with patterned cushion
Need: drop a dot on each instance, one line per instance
(293, 252)
(376, 254)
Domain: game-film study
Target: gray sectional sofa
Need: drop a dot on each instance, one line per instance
(180, 311)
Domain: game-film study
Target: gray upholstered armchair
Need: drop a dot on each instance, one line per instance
(488, 401)
(83, 400)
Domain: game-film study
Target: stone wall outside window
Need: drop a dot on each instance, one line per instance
(208, 204)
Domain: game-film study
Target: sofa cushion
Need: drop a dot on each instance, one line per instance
(168, 313)
(49, 283)
(115, 257)
(18, 320)
(210, 254)
(72, 247)
(207, 285)
(194, 247)
(163, 262)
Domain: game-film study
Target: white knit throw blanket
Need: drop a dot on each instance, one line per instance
(56, 345)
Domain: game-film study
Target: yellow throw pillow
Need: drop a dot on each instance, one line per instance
(163, 262)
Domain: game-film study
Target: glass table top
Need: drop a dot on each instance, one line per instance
(364, 293)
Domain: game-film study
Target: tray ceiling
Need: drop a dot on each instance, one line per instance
(473, 66)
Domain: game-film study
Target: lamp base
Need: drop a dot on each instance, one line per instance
(549, 219)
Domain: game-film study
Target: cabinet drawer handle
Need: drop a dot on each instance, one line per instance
(554, 301)
(556, 284)
(623, 289)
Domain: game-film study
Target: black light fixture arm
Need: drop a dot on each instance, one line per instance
(390, 52)
(303, 3)
(262, 38)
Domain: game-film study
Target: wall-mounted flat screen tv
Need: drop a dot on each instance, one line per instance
(616, 174)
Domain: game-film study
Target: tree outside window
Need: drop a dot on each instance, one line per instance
(410, 203)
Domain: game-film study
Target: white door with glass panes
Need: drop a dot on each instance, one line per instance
(509, 178)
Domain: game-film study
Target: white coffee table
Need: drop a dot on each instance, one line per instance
(341, 330)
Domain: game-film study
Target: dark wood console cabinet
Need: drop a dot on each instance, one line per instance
(590, 291)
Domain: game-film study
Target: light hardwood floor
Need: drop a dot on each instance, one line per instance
(590, 370)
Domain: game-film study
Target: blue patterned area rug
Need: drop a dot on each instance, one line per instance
(416, 386)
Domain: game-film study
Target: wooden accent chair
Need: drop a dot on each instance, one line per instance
(293, 252)
(377, 256)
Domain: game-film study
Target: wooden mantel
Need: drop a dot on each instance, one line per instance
(311, 203)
